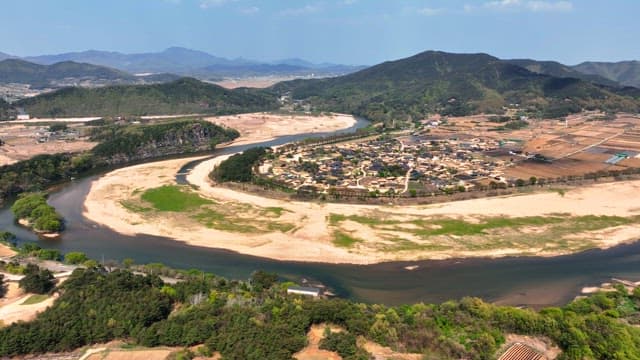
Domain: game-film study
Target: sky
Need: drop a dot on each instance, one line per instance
(361, 32)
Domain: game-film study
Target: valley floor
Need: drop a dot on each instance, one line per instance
(547, 223)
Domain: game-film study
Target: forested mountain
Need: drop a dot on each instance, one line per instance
(455, 84)
(624, 72)
(184, 96)
(69, 73)
(554, 68)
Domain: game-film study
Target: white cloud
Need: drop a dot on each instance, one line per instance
(502, 4)
(429, 11)
(559, 6)
(250, 10)
(524, 5)
(205, 4)
(349, 2)
(307, 9)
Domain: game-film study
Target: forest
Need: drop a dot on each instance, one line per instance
(239, 167)
(256, 319)
(183, 96)
(119, 145)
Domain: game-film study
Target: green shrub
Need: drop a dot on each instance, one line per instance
(75, 258)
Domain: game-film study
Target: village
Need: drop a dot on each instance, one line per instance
(405, 164)
(459, 155)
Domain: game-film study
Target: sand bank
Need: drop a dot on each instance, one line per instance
(312, 238)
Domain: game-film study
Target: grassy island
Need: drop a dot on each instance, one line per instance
(32, 210)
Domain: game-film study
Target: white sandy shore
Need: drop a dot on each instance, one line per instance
(312, 238)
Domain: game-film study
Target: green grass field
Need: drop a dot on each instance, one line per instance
(343, 239)
(35, 299)
(174, 198)
(438, 233)
(232, 217)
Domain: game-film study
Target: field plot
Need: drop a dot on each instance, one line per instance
(579, 146)
(21, 142)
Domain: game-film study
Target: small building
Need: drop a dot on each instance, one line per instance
(304, 290)
(22, 115)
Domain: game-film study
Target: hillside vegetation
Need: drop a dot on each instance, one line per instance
(184, 96)
(118, 145)
(20, 71)
(452, 84)
(625, 72)
(258, 320)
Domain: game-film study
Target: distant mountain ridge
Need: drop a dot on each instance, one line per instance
(192, 62)
(453, 84)
(557, 69)
(624, 72)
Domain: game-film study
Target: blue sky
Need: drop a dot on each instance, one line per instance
(342, 31)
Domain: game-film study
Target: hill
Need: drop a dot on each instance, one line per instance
(452, 84)
(554, 68)
(23, 72)
(4, 56)
(184, 96)
(625, 72)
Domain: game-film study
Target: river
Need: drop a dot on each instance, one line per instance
(528, 281)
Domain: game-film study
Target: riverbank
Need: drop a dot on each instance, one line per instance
(550, 223)
(6, 251)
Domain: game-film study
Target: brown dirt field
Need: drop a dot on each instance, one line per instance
(21, 144)
(13, 311)
(264, 126)
(260, 82)
(5, 251)
(312, 351)
(380, 352)
(145, 354)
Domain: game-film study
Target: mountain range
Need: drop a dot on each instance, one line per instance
(624, 72)
(405, 89)
(202, 65)
(455, 84)
(189, 62)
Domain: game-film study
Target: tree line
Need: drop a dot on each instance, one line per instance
(256, 319)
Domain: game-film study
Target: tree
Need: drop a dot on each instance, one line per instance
(75, 257)
(533, 180)
(262, 280)
(3, 288)
(36, 280)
